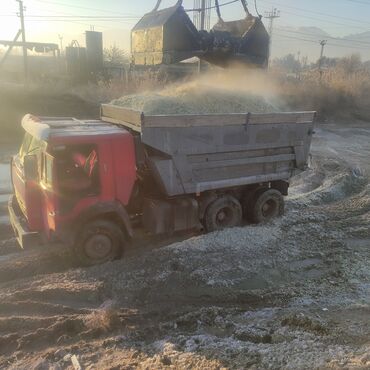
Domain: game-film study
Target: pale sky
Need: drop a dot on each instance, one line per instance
(47, 19)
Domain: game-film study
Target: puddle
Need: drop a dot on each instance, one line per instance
(358, 243)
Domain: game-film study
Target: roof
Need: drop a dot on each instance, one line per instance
(44, 128)
(30, 45)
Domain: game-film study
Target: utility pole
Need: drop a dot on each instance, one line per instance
(23, 30)
(203, 14)
(61, 43)
(202, 24)
(322, 43)
(202, 18)
(271, 16)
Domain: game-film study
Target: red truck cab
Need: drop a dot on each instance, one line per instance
(69, 178)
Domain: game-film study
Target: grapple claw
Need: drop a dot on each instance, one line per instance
(169, 36)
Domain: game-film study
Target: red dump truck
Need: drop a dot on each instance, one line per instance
(91, 184)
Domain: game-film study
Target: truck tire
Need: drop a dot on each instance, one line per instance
(100, 241)
(248, 202)
(222, 213)
(268, 204)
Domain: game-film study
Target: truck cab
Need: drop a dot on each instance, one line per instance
(69, 173)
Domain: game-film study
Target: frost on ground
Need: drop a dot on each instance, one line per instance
(293, 294)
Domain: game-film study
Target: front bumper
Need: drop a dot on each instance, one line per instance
(25, 238)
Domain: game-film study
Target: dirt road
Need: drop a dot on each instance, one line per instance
(293, 294)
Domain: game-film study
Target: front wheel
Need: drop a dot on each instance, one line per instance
(100, 241)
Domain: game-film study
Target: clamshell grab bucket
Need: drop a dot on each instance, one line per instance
(164, 36)
(168, 36)
(244, 41)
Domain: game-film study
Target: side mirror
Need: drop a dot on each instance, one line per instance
(30, 165)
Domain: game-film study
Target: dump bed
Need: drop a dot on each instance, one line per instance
(195, 153)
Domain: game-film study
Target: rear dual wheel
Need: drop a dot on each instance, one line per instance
(265, 205)
(222, 213)
(259, 207)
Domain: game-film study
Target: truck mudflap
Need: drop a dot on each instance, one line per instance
(26, 239)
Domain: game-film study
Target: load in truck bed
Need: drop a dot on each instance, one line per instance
(190, 154)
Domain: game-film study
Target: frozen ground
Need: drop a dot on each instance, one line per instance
(294, 294)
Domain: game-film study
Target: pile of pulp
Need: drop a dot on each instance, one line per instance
(195, 99)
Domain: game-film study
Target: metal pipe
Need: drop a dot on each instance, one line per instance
(179, 3)
(157, 5)
(245, 6)
(217, 5)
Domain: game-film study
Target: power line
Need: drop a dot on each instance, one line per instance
(79, 19)
(326, 36)
(110, 12)
(81, 7)
(297, 38)
(321, 20)
(52, 17)
(126, 15)
(225, 4)
(321, 13)
(329, 44)
(213, 7)
(324, 20)
(359, 2)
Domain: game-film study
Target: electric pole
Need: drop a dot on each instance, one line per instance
(271, 16)
(202, 14)
(202, 18)
(61, 43)
(322, 43)
(202, 24)
(23, 30)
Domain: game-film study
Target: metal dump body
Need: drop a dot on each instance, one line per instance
(195, 153)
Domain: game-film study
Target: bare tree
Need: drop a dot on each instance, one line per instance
(115, 55)
(351, 64)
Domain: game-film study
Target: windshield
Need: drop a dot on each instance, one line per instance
(30, 145)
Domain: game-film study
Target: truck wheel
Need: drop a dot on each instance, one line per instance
(222, 213)
(100, 241)
(267, 205)
(248, 201)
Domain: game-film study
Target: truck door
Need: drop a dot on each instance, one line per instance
(49, 197)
